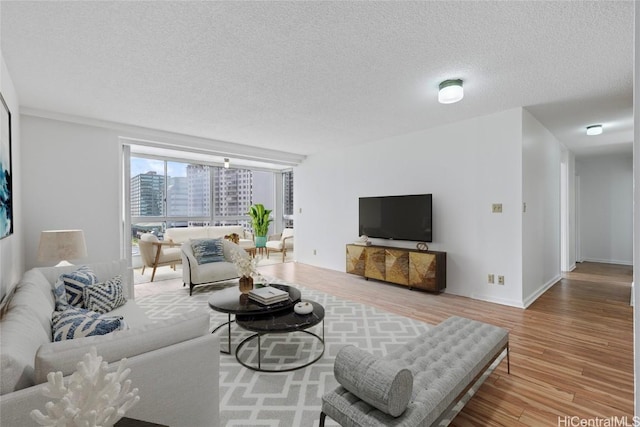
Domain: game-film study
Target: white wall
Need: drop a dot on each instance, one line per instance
(606, 208)
(467, 166)
(541, 157)
(71, 179)
(573, 209)
(11, 252)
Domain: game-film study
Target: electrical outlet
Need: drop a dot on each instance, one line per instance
(500, 280)
(496, 208)
(491, 278)
(314, 251)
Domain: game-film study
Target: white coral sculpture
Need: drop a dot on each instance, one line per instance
(93, 398)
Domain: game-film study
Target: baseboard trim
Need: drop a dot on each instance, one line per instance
(501, 301)
(541, 290)
(607, 261)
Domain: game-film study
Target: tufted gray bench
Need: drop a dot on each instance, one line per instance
(445, 362)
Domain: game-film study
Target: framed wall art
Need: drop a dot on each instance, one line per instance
(6, 192)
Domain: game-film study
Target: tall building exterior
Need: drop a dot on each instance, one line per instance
(147, 194)
(287, 196)
(177, 196)
(205, 193)
(287, 182)
(232, 192)
(198, 190)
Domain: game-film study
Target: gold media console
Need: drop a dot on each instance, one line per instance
(426, 270)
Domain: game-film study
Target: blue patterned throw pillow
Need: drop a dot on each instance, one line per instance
(75, 282)
(78, 322)
(60, 295)
(104, 297)
(208, 250)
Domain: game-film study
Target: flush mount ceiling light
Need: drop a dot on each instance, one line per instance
(226, 163)
(594, 130)
(450, 91)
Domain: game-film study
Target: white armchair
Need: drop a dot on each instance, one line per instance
(195, 274)
(155, 253)
(282, 243)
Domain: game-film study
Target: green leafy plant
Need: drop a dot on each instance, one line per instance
(260, 219)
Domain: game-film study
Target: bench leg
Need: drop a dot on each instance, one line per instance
(322, 417)
(508, 364)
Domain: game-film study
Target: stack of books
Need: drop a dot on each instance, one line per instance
(362, 241)
(268, 295)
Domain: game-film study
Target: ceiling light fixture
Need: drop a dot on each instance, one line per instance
(226, 163)
(450, 91)
(594, 130)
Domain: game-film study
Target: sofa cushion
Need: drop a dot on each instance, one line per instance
(25, 326)
(207, 250)
(132, 313)
(184, 234)
(380, 383)
(74, 283)
(213, 272)
(78, 323)
(105, 296)
(218, 231)
(64, 355)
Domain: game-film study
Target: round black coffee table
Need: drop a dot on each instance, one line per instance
(232, 301)
(284, 321)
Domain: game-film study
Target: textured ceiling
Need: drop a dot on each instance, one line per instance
(303, 77)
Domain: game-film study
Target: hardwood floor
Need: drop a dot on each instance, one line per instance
(571, 350)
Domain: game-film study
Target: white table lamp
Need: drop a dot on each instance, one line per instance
(61, 245)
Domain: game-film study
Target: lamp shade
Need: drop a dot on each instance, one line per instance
(450, 91)
(61, 245)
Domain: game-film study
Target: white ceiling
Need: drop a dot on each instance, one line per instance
(302, 77)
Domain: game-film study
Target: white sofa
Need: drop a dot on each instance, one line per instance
(184, 234)
(174, 363)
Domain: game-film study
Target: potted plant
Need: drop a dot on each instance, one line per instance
(260, 221)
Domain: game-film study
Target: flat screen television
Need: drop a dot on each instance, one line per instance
(396, 217)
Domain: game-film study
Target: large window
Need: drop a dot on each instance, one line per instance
(168, 193)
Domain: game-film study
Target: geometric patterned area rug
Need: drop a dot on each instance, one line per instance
(255, 399)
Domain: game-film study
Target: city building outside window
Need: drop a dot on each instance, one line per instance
(287, 199)
(166, 193)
